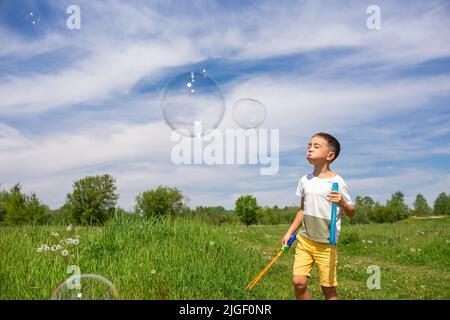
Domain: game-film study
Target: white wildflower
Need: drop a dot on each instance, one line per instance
(153, 271)
(69, 240)
(369, 241)
(58, 247)
(211, 243)
(64, 253)
(69, 228)
(45, 247)
(75, 241)
(412, 249)
(53, 247)
(39, 250)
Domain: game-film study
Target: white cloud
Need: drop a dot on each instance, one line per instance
(122, 43)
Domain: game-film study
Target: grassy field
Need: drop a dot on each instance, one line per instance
(190, 259)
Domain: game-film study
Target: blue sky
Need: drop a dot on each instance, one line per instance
(83, 102)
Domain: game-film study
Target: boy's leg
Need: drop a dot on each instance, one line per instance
(326, 258)
(330, 293)
(303, 263)
(300, 287)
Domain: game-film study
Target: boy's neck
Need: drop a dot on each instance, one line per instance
(323, 171)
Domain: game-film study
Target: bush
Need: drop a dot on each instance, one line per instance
(214, 215)
(247, 209)
(159, 202)
(363, 206)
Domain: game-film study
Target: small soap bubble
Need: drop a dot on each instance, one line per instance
(249, 113)
(32, 17)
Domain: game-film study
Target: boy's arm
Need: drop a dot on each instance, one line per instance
(349, 209)
(295, 224)
(337, 198)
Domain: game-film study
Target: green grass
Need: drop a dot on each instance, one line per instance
(195, 260)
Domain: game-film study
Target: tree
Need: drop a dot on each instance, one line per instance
(378, 213)
(447, 207)
(441, 204)
(93, 199)
(421, 207)
(247, 209)
(3, 199)
(37, 213)
(61, 216)
(363, 207)
(19, 208)
(396, 208)
(15, 206)
(159, 202)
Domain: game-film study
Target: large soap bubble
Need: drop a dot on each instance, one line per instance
(191, 99)
(85, 287)
(249, 113)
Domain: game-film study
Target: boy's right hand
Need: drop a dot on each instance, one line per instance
(285, 239)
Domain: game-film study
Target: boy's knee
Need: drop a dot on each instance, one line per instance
(300, 281)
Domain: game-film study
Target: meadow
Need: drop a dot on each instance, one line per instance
(176, 258)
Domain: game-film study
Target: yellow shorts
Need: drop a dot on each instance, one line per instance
(308, 252)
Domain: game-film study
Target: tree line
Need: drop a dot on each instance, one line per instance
(93, 201)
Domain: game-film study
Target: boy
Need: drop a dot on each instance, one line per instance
(315, 215)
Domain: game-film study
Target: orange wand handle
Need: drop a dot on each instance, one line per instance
(285, 249)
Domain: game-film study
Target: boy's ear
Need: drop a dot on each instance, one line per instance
(331, 155)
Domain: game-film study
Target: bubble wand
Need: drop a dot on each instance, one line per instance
(335, 187)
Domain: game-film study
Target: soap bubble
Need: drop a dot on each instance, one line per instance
(32, 17)
(249, 113)
(85, 287)
(192, 98)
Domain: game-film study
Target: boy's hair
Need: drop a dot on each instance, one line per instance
(334, 144)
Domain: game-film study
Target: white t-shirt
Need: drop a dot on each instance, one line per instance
(317, 207)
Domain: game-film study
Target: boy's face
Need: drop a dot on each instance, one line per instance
(319, 151)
